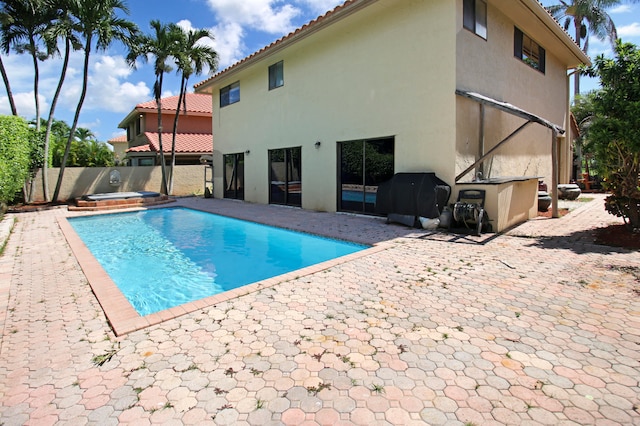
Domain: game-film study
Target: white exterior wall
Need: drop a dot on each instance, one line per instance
(490, 68)
(383, 71)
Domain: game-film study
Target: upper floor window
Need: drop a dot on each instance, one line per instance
(474, 16)
(527, 50)
(230, 94)
(138, 125)
(276, 75)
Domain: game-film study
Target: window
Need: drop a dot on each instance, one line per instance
(234, 176)
(138, 125)
(276, 75)
(363, 165)
(230, 94)
(285, 166)
(474, 16)
(528, 51)
(146, 161)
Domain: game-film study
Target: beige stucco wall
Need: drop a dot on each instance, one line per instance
(78, 181)
(383, 71)
(490, 68)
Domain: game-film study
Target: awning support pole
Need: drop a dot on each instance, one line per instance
(554, 174)
(480, 168)
(515, 132)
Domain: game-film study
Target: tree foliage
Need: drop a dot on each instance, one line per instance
(588, 17)
(614, 130)
(15, 156)
(191, 57)
(99, 26)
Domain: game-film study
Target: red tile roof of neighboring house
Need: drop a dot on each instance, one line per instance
(185, 143)
(196, 102)
(118, 139)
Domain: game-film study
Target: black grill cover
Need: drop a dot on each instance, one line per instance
(413, 194)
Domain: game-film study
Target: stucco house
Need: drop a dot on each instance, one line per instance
(193, 139)
(476, 91)
(120, 145)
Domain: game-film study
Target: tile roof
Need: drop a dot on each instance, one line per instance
(185, 143)
(117, 139)
(196, 102)
(311, 26)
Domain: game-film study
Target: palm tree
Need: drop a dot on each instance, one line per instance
(84, 135)
(4, 17)
(588, 17)
(22, 27)
(64, 27)
(191, 58)
(161, 45)
(99, 22)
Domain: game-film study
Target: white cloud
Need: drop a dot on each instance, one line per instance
(228, 43)
(631, 30)
(108, 89)
(623, 8)
(264, 15)
(25, 104)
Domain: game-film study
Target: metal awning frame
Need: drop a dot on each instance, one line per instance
(530, 118)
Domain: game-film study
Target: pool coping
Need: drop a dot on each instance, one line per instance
(124, 319)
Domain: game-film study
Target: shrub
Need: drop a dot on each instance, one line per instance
(15, 156)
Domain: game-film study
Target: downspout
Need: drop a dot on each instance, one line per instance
(554, 148)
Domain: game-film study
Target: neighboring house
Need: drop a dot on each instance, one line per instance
(193, 140)
(322, 116)
(120, 146)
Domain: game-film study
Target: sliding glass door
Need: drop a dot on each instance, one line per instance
(363, 165)
(285, 176)
(234, 176)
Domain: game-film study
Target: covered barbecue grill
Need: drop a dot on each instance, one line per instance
(407, 196)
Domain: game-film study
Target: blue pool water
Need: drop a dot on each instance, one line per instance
(166, 257)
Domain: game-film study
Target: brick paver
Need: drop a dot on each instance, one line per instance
(536, 326)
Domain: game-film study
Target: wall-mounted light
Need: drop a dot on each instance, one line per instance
(317, 144)
(247, 152)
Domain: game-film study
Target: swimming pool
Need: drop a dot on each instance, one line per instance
(167, 257)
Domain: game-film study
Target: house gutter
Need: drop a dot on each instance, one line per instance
(300, 34)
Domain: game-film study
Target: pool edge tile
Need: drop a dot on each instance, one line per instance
(124, 319)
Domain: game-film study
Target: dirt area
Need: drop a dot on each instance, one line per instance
(617, 236)
(613, 235)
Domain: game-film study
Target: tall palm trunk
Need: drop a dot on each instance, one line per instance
(36, 79)
(47, 134)
(5, 78)
(181, 100)
(163, 166)
(576, 76)
(83, 94)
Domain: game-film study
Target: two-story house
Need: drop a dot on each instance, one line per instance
(194, 137)
(476, 91)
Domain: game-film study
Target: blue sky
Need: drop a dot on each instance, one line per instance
(241, 27)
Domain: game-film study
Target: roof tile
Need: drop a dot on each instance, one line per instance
(185, 143)
(196, 102)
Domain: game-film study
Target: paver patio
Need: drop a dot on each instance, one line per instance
(537, 326)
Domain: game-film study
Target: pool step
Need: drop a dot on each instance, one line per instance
(123, 203)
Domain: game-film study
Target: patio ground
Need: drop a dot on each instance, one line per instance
(536, 326)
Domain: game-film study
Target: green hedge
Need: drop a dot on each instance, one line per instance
(15, 156)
